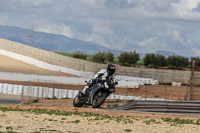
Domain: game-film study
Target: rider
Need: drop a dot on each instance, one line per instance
(106, 75)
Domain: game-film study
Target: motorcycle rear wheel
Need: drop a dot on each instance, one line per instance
(99, 99)
(77, 102)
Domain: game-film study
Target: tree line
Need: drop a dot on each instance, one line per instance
(132, 59)
(177, 62)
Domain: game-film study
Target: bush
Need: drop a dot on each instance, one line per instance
(99, 57)
(123, 57)
(79, 55)
(128, 58)
(177, 61)
(160, 61)
(102, 57)
(110, 57)
(133, 57)
(151, 59)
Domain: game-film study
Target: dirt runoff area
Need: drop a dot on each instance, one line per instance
(83, 120)
(8, 64)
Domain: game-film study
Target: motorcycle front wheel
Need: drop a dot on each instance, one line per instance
(77, 102)
(99, 99)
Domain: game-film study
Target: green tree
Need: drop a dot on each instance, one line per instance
(110, 57)
(99, 57)
(177, 61)
(123, 57)
(128, 58)
(160, 61)
(149, 59)
(133, 57)
(79, 55)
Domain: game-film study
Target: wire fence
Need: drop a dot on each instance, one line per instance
(51, 93)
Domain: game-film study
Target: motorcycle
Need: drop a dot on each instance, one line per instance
(96, 94)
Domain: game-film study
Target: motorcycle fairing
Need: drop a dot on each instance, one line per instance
(94, 89)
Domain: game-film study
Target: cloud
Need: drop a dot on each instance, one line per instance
(185, 6)
(3, 20)
(56, 29)
(119, 4)
(175, 35)
(140, 25)
(147, 42)
(185, 9)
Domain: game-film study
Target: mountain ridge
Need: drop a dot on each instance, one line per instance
(51, 42)
(60, 43)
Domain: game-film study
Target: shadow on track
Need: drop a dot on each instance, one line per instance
(9, 101)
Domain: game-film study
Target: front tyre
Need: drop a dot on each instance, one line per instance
(77, 102)
(99, 99)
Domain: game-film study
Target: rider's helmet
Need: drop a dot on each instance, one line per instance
(111, 69)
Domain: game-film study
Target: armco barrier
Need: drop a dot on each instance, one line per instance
(81, 65)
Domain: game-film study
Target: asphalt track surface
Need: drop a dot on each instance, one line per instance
(184, 108)
(9, 101)
(161, 106)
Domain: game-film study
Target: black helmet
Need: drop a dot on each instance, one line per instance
(111, 69)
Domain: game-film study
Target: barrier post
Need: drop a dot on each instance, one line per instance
(58, 96)
(38, 91)
(53, 95)
(165, 92)
(145, 93)
(67, 98)
(126, 92)
(42, 96)
(22, 95)
(72, 94)
(186, 93)
(29, 94)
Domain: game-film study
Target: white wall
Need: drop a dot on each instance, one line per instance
(43, 65)
(124, 81)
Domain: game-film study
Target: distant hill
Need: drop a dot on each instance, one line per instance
(166, 53)
(51, 42)
(59, 43)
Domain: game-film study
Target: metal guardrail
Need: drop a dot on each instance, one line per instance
(161, 106)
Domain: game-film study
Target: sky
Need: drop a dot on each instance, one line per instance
(141, 25)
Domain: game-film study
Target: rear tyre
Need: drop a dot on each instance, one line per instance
(99, 99)
(77, 102)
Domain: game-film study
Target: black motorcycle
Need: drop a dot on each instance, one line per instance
(96, 94)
